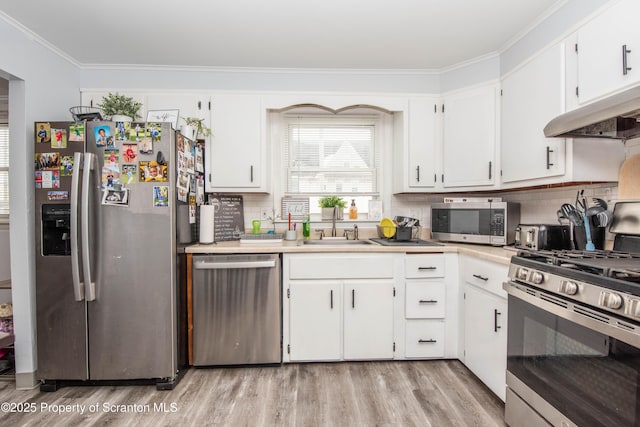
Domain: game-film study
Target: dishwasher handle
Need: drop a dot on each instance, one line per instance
(204, 265)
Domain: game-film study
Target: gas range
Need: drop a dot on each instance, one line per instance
(606, 280)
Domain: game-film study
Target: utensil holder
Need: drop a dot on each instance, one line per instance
(580, 237)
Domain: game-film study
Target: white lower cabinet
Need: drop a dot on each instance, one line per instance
(368, 320)
(336, 320)
(485, 322)
(425, 339)
(429, 321)
(338, 307)
(315, 320)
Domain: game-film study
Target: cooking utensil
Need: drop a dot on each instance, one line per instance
(572, 214)
(601, 203)
(604, 218)
(580, 203)
(594, 210)
(589, 246)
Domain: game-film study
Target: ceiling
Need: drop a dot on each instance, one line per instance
(327, 34)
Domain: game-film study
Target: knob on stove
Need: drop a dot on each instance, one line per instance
(522, 273)
(537, 277)
(610, 300)
(568, 287)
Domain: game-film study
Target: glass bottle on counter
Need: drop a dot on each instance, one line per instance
(353, 210)
(306, 228)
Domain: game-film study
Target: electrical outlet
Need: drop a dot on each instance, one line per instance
(265, 213)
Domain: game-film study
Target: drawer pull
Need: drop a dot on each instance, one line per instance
(429, 341)
(427, 268)
(477, 276)
(428, 301)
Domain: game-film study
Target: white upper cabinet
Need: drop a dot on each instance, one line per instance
(609, 51)
(531, 96)
(237, 157)
(469, 137)
(415, 143)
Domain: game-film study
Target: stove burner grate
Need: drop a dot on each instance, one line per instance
(620, 265)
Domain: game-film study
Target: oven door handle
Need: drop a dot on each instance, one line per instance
(606, 325)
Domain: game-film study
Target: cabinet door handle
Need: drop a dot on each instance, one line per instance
(625, 68)
(427, 268)
(331, 299)
(496, 313)
(353, 298)
(418, 173)
(549, 151)
(428, 301)
(429, 341)
(251, 173)
(490, 169)
(477, 276)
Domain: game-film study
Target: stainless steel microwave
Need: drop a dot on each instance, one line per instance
(489, 223)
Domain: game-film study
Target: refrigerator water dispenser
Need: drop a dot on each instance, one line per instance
(55, 229)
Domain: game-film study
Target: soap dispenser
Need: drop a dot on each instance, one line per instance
(353, 210)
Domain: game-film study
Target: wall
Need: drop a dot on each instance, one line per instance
(42, 85)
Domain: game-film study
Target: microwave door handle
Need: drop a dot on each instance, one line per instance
(78, 285)
(89, 166)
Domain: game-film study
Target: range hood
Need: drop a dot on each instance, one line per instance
(615, 117)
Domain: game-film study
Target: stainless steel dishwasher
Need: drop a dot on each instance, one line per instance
(237, 316)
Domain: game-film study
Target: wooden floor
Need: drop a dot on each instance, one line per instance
(421, 393)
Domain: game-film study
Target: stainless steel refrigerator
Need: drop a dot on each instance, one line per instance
(106, 289)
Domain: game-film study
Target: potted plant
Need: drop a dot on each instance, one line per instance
(327, 205)
(193, 127)
(120, 108)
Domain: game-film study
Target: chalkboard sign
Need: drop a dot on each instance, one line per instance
(228, 218)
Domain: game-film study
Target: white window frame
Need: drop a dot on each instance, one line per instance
(288, 119)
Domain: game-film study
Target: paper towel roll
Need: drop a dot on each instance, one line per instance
(206, 224)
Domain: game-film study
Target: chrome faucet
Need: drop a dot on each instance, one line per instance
(333, 222)
(354, 231)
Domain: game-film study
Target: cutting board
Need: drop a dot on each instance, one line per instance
(629, 179)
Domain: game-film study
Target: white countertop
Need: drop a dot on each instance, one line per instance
(489, 253)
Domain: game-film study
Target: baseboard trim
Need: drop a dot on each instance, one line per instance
(27, 380)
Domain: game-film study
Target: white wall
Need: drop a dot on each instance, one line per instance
(554, 28)
(42, 86)
(263, 80)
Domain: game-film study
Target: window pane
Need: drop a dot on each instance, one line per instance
(4, 192)
(4, 146)
(324, 158)
(332, 181)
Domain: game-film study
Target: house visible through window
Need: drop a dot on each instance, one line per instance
(331, 156)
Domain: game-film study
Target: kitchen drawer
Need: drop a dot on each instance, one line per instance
(425, 338)
(485, 274)
(424, 300)
(424, 265)
(341, 266)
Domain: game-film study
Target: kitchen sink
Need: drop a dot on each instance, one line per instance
(328, 242)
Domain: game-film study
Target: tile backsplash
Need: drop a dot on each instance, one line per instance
(536, 206)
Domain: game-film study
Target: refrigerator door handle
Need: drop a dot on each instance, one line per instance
(89, 166)
(78, 285)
